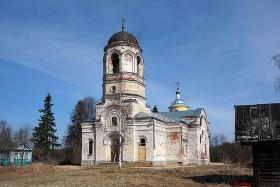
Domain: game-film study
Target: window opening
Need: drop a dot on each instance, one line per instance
(114, 121)
(116, 63)
(142, 142)
(90, 147)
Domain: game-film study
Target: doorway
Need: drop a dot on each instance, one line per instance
(142, 150)
(115, 149)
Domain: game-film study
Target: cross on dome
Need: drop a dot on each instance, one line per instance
(123, 22)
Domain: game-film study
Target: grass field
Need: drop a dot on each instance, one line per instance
(129, 175)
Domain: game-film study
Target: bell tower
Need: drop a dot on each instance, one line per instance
(123, 68)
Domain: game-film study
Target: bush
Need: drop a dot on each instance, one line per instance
(234, 152)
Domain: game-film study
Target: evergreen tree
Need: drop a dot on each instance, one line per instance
(84, 110)
(44, 134)
(155, 110)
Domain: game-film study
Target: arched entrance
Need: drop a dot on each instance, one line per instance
(115, 149)
(112, 143)
(142, 150)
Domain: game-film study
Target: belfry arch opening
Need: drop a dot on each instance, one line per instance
(115, 62)
(139, 66)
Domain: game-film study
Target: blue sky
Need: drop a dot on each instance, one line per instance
(220, 51)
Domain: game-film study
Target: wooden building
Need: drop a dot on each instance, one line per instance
(20, 155)
(259, 126)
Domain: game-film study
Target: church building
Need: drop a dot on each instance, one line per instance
(125, 127)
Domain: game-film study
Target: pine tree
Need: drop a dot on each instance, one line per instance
(84, 110)
(44, 136)
(155, 110)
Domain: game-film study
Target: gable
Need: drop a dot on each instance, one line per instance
(23, 146)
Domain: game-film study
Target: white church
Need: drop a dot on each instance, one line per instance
(125, 127)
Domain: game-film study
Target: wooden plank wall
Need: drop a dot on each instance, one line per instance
(266, 163)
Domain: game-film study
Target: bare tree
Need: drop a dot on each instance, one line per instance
(6, 141)
(22, 135)
(222, 139)
(214, 141)
(276, 61)
(216, 146)
(118, 101)
(89, 107)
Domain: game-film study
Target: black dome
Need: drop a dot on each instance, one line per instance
(124, 37)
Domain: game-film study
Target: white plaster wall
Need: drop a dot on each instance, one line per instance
(160, 141)
(144, 129)
(193, 148)
(128, 146)
(103, 149)
(87, 135)
(185, 143)
(204, 146)
(173, 144)
(128, 62)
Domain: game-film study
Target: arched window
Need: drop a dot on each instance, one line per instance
(90, 147)
(114, 121)
(116, 62)
(139, 65)
(142, 142)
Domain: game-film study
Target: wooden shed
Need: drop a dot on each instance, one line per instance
(258, 125)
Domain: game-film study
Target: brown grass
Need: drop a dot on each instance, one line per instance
(129, 175)
(34, 169)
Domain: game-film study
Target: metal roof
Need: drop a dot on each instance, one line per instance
(123, 36)
(181, 114)
(155, 116)
(172, 117)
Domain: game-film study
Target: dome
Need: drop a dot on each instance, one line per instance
(123, 37)
(178, 104)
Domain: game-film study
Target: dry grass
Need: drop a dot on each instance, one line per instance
(129, 175)
(36, 168)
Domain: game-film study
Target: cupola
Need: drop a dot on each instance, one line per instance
(178, 104)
